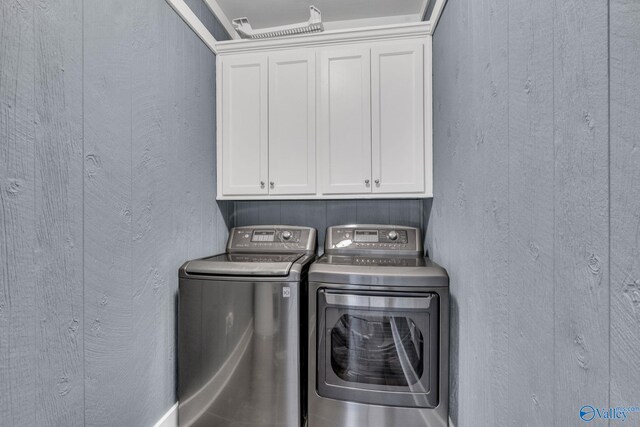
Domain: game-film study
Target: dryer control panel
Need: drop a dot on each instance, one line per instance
(373, 239)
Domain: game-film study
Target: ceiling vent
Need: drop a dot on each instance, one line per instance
(314, 25)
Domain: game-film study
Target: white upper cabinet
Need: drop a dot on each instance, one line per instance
(335, 115)
(244, 129)
(344, 121)
(292, 123)
(397, 106)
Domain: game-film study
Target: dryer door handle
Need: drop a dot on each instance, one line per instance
(369, 301)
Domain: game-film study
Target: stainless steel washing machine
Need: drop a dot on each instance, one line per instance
(378, 331)
(240, 360)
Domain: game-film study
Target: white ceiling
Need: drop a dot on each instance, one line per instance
(269, 13)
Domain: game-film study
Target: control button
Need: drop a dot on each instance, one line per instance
(347, 235)
(393, 235)
(246, 236)
(286, 235)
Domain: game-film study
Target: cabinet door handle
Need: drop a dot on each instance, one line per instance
(261, 184)
(377, 181)
(366, 181)
(272, 184)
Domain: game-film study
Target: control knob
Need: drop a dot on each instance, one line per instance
(286, 235)
(393, 235)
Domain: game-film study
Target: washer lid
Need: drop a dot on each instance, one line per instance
(238, 264)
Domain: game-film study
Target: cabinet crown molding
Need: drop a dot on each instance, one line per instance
(327, 38)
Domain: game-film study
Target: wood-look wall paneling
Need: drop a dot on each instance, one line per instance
(342, 211)
(372, 212)
(321, 214)
(149, 200)
(105, 190)
(581, 182)
(520, 211)
(154, 246)
(519, 215)
(175, 123)
(450, 201)
(178, 131)
(491, 131)
(18, 321)
(59, 165)
(222, 210)
(469, 220)
(531, 217)
(198, 224)
(624, 33)
(108, 306)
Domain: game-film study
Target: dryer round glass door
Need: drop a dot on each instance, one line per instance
(367, 348)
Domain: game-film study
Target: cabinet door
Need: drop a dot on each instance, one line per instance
(292, 123)
(244, 125)
(397, 91)
(344, 121)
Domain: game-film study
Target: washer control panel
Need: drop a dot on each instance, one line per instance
(349, 239)
(274, 238)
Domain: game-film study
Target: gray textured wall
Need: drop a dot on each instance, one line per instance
(536, 212)
(624, 148)
(321, 214)
(106, 118)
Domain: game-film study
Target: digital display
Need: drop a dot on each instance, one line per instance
(368, 236)
(263, 236)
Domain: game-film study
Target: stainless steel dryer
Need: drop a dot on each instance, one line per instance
(378, 331)
(239, 320)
